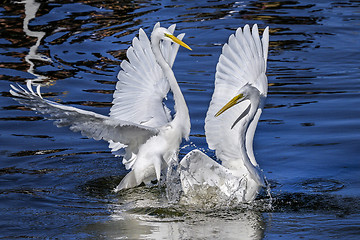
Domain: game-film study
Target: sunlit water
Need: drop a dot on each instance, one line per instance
(57, 184)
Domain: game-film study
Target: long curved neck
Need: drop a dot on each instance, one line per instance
(251, 132)
(248, 131)
(181, 117)
(245, 134)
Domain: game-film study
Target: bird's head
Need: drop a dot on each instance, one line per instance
(246, 92)
(166, 35)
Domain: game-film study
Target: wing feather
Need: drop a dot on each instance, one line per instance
(90, 124)
(243, 61)
(142, 85)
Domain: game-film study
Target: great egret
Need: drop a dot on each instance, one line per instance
(140, 126)
(240, 84)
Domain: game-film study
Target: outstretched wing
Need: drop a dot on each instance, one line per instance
(142, 85)
(243, 61)
(90, 124)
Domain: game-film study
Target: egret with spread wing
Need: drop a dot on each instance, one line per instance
(240, 84)
(140, 126)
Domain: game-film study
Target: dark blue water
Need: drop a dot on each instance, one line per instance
(57, 184)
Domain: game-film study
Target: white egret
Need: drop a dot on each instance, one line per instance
(140, 126)
(141, 129)
(240, 84)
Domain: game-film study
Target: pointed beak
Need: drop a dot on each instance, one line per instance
(178, 41)
(230, 104)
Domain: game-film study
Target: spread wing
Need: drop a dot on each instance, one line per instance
(90, 124)
(142, 85)
(243, 61)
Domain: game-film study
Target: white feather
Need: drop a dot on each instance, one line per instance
(139, 126)
(240, 70)
(241, 62)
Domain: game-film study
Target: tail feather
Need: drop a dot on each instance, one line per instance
(129, 181)
(157, 166)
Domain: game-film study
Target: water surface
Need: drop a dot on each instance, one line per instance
(57, 184)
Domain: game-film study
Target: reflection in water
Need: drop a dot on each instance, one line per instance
(145, 213)
(31, 8)
(141, 214)
(246, 225)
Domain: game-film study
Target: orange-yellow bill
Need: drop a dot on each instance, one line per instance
(230, 104)
(178, 41)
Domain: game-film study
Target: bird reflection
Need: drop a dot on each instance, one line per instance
(159, 222)
(31, 8)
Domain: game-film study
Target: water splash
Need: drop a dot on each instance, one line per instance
(214, 187)
(173, 183)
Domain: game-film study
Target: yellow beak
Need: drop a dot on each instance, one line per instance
(230, 104)
(178, 41)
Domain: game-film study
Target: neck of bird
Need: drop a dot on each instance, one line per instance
(246, 142)
(182, 113)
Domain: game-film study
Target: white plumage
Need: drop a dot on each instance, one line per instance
(240, 74)
(141, 129)
(139, 126)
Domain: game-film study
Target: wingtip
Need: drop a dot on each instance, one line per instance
(255, 27)
(13, 88)
(181, 36)
(266, 30)
(246, 28)
(172, 28)
(157, 25)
